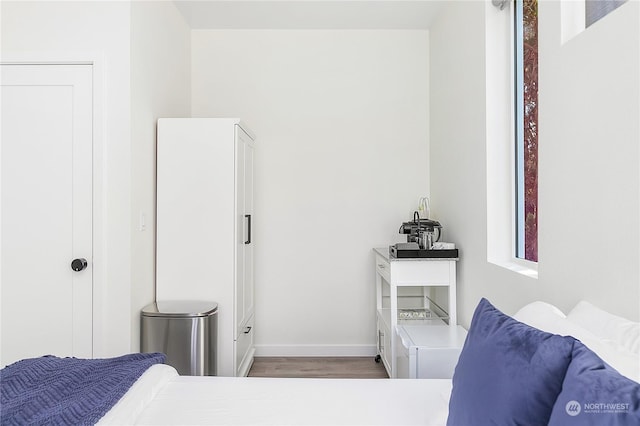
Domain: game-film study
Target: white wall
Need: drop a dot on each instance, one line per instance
(589, 241)
(143, 53)
(341, 160)
(589, 169)
(160, 87)
(93, 31)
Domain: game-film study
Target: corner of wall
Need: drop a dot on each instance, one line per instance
(160, 87)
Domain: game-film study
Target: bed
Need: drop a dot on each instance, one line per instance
(538, 367)
(271, 401)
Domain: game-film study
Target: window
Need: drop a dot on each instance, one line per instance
(597, 9)
(578, 15)
(526, 91)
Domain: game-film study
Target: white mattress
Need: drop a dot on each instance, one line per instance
(161, 397)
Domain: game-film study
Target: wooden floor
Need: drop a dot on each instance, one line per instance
(312, 367)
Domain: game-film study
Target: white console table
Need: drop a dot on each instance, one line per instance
(422, 291)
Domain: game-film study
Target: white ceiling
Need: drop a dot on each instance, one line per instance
(309, 14)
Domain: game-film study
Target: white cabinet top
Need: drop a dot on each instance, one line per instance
(213, 121)
(432, 336)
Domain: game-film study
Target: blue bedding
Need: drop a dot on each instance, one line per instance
(67, 391)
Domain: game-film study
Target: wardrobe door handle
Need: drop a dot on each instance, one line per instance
(247, 330)
(248, 217)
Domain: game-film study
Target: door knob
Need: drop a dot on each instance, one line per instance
(79, 264)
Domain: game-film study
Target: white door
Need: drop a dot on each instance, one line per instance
(245, 237)
(248, 208)
(45, 211)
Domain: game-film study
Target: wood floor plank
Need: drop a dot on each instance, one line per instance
(318, 367)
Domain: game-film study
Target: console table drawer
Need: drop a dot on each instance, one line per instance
(422, 273)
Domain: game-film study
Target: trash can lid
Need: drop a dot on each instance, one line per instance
(180, 309)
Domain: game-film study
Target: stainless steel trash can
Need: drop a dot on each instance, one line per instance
(185, 331)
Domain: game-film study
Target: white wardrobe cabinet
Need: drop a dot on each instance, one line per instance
(204, 247)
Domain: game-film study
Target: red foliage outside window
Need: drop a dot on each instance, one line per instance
(530, 131)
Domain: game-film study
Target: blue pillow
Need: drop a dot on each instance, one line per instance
(593, 393)
(508, 372)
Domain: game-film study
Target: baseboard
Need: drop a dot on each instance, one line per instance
(315, 350)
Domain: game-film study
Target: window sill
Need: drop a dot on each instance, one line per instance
(520, 266)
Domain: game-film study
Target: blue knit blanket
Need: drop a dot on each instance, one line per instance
(67, 391)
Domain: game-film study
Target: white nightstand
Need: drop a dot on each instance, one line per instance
(428, 351)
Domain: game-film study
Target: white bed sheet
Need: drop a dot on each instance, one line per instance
(187, 400)
(139, 395)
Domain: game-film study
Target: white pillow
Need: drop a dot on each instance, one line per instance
(616, 330)
(550, 319)
(535, 310)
